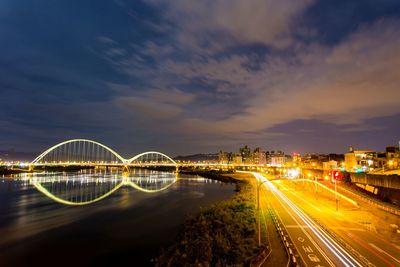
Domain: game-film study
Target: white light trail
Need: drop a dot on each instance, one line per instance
(331, 244)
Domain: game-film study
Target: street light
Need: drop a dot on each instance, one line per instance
(258, 209)
(390, 163)
(336, 198)
(335, 175)
(316, 184)
(258, 193)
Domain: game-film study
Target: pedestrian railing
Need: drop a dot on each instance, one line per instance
(293, 257)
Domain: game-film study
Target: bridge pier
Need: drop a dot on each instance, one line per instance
(126, 170)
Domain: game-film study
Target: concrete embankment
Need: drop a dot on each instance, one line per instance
(383, 187)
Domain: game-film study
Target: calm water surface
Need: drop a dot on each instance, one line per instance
(97, 218)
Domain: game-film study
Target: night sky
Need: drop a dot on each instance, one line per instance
(183, 77)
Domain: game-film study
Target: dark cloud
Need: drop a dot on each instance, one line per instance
(184, 76)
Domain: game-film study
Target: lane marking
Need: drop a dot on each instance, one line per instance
(365, 245)
(296, 226)
(307, 249)
(348, 229)
(315, 231)
(330, 190)
(332, 227)
(269, 241)
(334, 247)
(313, 258)
(309, 238)
(382, 251)
(277, 212)
(371, 244)
(302, 199)
(341, 254)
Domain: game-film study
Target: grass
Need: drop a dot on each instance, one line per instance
(223, 234)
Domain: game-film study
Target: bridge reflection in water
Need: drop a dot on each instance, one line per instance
(87, 187)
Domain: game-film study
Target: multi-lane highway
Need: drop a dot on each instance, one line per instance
(314, 246)
(344, 224)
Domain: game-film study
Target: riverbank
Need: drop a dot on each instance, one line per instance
(219, 175)
(214, 174)
(223, 234)
(9, 171)
(6, 171)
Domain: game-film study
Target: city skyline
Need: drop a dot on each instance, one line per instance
(15, 155)
(180, 77)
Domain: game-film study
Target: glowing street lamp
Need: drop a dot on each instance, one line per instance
(258, 193)
(258, 209)
(335, 176)
(390, 163)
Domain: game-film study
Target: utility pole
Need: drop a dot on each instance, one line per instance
(336, 198)
(258, 209)
(316, 187)
(316, 184)
(258, 193)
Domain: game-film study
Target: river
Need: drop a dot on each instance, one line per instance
(97, 218)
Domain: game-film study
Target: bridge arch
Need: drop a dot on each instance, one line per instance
(69, 144)
(58, 199)
(158, 155)
(91, 190)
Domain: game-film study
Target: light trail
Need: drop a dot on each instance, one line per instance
(302, 199)
(344, 257)
(355, 203)
(305, 233)
(382, 251)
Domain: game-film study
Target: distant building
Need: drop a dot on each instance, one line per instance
(296, 158)
(246, 154)
(288, 159)
(359, 160)
(314, 161)
(259, 156)
(392, 152)
(237, 159)
(330, 165)
(336, 157)
(223, 157)
(276, 158)
(392, 156)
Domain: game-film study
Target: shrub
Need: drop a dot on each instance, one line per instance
(221, 235)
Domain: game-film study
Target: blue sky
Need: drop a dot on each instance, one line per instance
(198, 76)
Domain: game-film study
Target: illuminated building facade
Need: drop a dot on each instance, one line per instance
(359, 160)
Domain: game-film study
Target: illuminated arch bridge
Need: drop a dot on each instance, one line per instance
(84, 152)
(83, 188)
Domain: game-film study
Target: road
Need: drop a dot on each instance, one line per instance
(344, 223)
(313, 245)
